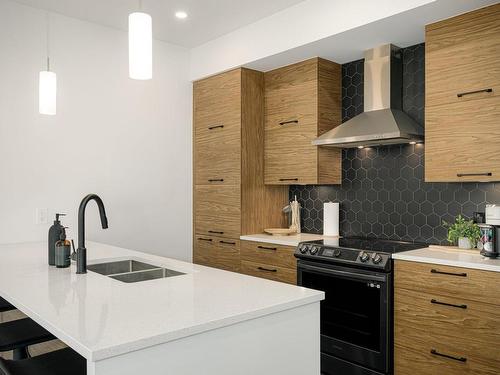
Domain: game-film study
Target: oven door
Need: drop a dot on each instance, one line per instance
(355, 315)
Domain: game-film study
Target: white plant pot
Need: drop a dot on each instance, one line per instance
(464, 243)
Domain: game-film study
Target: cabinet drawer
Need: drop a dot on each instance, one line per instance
(451, 324)
(463, 56)
(218, 155)
(463, 141)
(414, 358)
(462, 283)
(267, 253)
(217, 252)
(271, 272)
(217, 211)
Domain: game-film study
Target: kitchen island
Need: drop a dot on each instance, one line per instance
(202, 321)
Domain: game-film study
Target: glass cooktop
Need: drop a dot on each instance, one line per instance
(371, 244)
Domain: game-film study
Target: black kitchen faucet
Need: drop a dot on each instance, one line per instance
(81, 253)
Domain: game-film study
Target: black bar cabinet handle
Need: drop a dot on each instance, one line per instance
(267, 269)
(436, 302)
(289, 179)
(459, 359)
(215, 232)
(289, 122)
(449, 273)
(267, 248)
(216, 127)
(216, 180)
(227, 242)
(474, 174)
(205, 239)
(460, 94)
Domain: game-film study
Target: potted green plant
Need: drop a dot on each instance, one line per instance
(463, 232)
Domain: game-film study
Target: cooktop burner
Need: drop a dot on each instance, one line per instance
(355, 251)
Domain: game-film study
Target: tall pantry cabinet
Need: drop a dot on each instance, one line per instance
(230, 198)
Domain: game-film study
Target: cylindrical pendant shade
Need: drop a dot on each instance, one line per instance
(47, 93)
(140, 44)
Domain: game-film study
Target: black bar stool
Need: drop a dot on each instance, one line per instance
(17, 335)
(60, 362)
(5, 306)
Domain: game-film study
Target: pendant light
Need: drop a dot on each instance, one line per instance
(47, 84)
(140, 45)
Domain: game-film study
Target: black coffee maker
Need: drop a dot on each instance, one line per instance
(489, 243)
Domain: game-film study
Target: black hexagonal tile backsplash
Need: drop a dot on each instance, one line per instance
(383, 193)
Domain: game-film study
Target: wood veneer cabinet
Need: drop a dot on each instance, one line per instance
(230, 198)
(462, 70)
(302, 101)
(446, 320)
(269, 261)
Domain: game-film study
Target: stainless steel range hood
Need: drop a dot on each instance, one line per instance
(383, 122)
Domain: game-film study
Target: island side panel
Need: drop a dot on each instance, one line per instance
(285, 343)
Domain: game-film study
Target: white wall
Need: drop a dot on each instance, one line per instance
(126, 140)
(306, 22)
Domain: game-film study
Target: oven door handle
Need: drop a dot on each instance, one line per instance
(344, 274)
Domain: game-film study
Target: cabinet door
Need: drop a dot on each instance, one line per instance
(217, 99)
(227, 254)
(463, 141)
(463, 58)
(218, 154)
(217, 129)
(217, 211)
(291, 108)
(204, 250)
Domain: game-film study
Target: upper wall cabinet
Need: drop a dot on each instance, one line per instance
(462, 129)
(302, 101)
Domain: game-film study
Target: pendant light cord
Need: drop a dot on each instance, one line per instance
(140, 5)
(47, 16)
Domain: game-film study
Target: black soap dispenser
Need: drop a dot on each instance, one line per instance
(54, 236)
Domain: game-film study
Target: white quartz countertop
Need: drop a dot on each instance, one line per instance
(452, 257)
(100, 317)
(292, 240)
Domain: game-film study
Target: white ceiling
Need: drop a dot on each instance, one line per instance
(207, 19)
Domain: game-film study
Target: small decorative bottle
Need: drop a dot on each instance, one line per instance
(63, 251)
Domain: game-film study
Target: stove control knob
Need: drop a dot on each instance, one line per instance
(364, 257)
(376, 258)
(313, 250)
(337, 253)
(303, 248)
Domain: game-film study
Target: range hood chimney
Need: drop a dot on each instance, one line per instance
(383, 122)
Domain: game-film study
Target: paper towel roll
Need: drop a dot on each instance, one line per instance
(331, 219)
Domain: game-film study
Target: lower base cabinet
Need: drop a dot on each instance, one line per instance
(266, 260)
(441, 326)
(267, 271)
(217, 252)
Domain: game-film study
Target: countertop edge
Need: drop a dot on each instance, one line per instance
(275, 241)
(446, 262)
(105, 353)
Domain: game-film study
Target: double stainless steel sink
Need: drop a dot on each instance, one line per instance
(132, 271)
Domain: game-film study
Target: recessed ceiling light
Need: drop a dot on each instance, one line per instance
(181, 15)
(360, 147)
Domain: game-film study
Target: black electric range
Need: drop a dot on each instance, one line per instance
(357, 314)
